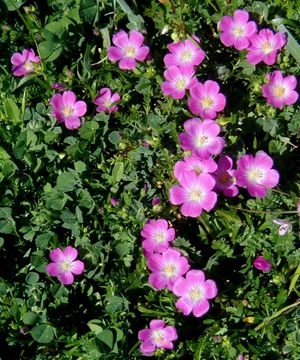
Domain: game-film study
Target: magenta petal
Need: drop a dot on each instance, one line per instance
(66, 278)
(114, 53)
(180, 286)
(184, 305)
(136, 38)
(57, 255)
(72, 122)
(211, 289)
(120, 39)
(201, 308)
(191, 209)
(144, 334)
(80, 108)
(195, 276)
(53, 269)
(69, 98)
(177, 195)
(210, 201)
(17, 59)
(142, 53)
(170, 333)
(77, 267)
(157, 281)
(157, 324)
(127, 64)
(147, 348)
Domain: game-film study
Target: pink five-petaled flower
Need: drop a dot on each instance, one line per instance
(64, 265)
(179, 79)
(184, 53)
(194, 292)
(194, 164)
(106, 101)
(206, 100)
(157, 236)
(166, 267)
(225, 178)
(201, 138)
(25, 63)
(255, 174)
(280, 90)
(159, 336)
(66, 109)
(128, 49)
(237, 30)
(264, 47)
(194, 194)
(262, 264)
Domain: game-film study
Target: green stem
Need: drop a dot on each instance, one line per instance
(265, 212)
(278, 313)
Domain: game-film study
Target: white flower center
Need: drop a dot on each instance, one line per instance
(196, 294)
(197, 169)
(255, 175)
(68, 111)
(195, 194)
(65, 266)
(28, 66)
(181, 83)
(207, 102)
(186, 56)
(267, 47)
(158, 337)
(238, 31)
(170, 270)
(201, 141)
(279, 91)
(160, 237)
(106, 103)
(130, 51)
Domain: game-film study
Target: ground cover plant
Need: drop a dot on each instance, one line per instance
(149, 170)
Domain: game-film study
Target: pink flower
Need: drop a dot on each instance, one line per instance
(194, 292)
(166, 268)
(255, 174)
(262, 264)
(280, 90)
(298, 206)
(25, 63)
(114, 201)
(194, 194)
(284, 226)
(224, 177)
(155, 201)
(194, 164)
(264, 47)
(159, 336)
(184, 53)
(237, 30)
(178, 81)
(106, 101)
(128, 49)
(157, 235)
(206, 100)
(58, 86)
(66, 109)
(64, 265)
(201, 138)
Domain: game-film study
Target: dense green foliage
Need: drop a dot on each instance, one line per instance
(56, 186)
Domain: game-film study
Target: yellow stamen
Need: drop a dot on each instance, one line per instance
(181, 84)
(28, 66)
(207, 102)
(238, 31)
(196, 294)
(279, 91)
(160, 236)
(68, 111)
(130, 51)
(195, 195)
(65, 266)
(186, 56)
(170, 270)
(255, 175)
(201, 141)
(267, 48)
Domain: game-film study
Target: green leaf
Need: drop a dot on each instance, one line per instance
(32, 278)
(13, 5)
(12, 111)
(292, 45)
(1, 242)
(117, 173)
(50, 50)
(30, 318)
(88, 130)
(114, 304)
(114, 137)
(80, 166)
(107, 337)
(66, 181)
(89, 10)
(42, 333)
(7, 225)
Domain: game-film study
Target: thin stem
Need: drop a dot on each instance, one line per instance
(265, 212)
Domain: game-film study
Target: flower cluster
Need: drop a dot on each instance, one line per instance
(171, 270)
(262, 46)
